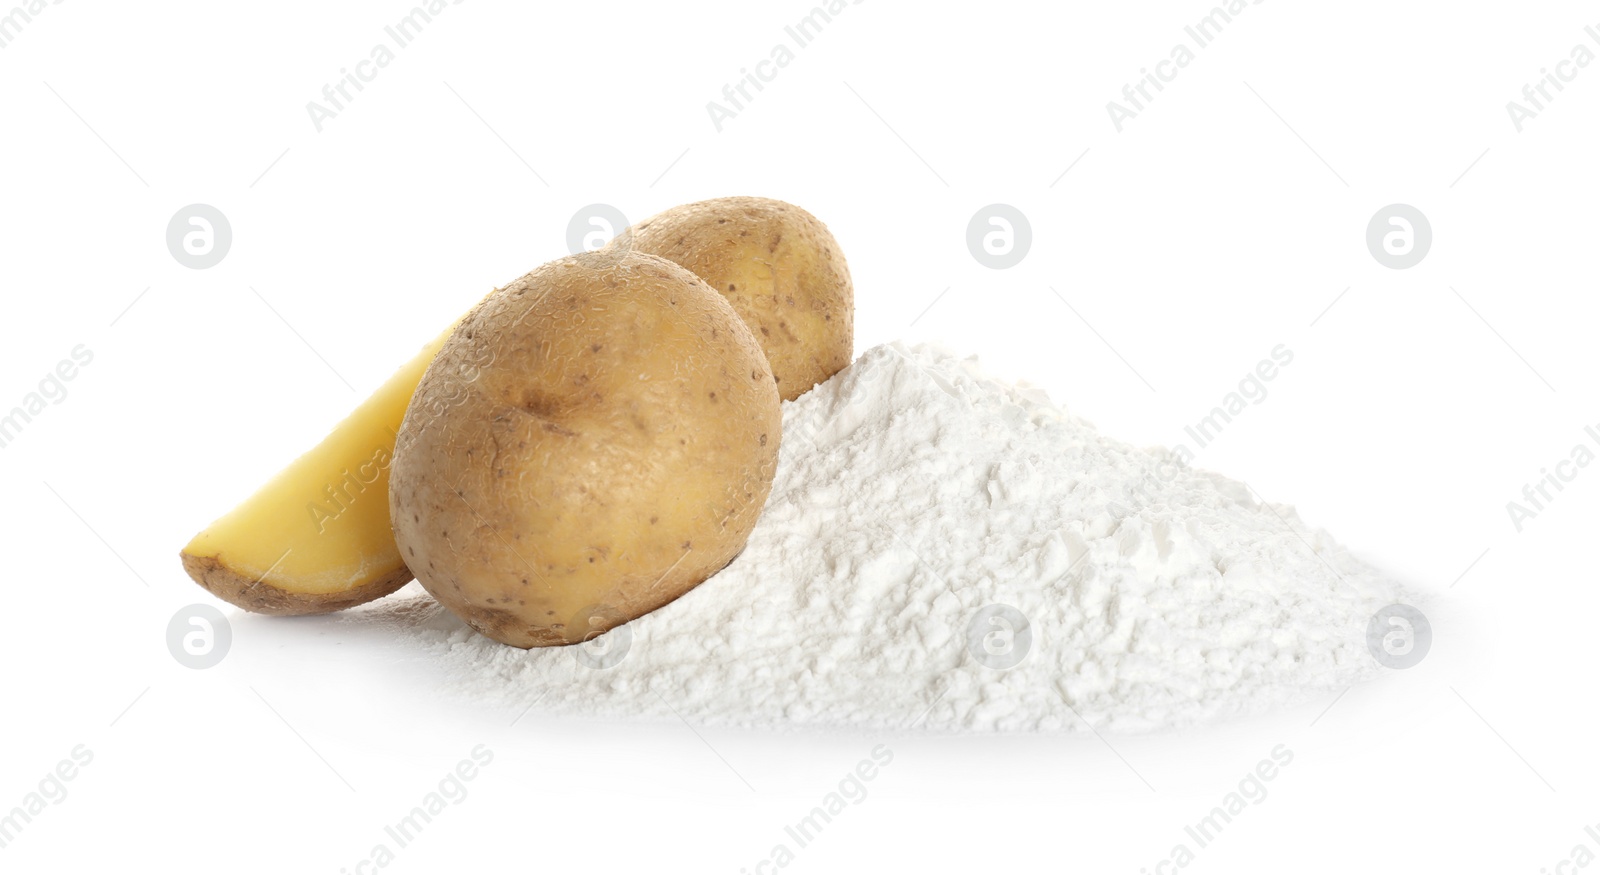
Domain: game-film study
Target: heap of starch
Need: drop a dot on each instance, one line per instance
(945, 552)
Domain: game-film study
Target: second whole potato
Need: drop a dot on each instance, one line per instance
(778, 265)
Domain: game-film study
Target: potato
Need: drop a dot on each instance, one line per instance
(316, 538)
(779, 267)
(592, 442)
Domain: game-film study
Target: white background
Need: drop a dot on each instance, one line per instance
(1201, 236)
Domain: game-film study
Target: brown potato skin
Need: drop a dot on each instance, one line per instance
(263, 598)
(593, 441)
(780, 268)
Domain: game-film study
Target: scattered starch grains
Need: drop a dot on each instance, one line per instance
(914, 492)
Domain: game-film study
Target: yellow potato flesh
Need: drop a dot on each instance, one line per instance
(320, 527)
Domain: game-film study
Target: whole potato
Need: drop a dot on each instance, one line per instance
(779, 267)
(592, 442)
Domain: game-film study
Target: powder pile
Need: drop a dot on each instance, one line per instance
(949, 553)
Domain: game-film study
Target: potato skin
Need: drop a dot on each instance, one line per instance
(779, 267)
(595, 440)
(263, 598)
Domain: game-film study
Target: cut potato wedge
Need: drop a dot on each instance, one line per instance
(316, 537)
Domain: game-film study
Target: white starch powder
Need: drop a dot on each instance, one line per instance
(948, 553)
